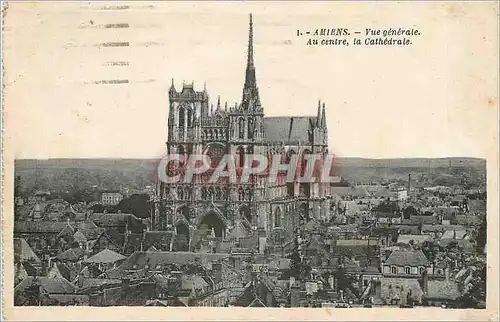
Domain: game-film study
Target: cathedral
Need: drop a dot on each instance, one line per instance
(268, 211)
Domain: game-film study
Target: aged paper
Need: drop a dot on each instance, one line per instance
(400, 99)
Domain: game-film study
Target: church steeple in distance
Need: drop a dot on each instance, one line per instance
(250, 90)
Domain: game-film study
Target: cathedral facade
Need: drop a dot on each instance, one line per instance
(271, 210)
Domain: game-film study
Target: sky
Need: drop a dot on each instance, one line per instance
(435, 98)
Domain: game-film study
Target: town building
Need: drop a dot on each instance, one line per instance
(111, 198)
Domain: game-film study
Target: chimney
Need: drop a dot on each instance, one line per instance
(425, 282)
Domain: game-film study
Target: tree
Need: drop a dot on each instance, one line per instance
(387, 206)
(344, 282)
(476, 295)
(430, 249)
(181, 243)
(481, 236)
(32, 293)
(137, 204)
(98, 208)
(409, 211)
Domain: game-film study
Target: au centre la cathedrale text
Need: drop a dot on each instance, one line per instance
(367, 37)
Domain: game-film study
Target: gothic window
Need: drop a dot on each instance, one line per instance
(204, 193)
(304, 213)
(241, 128)
(393, 270)
(241, 156)
(277, 217)
(180, 193)
(407, 270)
(215, 152)
(181, 149)
(182, 116)
(189, 117)
(250, 128)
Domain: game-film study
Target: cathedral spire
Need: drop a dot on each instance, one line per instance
(250, 91)
(318, 117)
(218, 102)
(172, 87)
(250, 74)
(323, 117)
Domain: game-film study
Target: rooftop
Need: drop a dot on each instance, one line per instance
(407, 258)
(289, 129)
(106, 256)
(139, 260)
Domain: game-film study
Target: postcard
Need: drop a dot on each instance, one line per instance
(250, 160)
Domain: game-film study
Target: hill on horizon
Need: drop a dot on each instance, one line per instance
(341, 161)
(113, 174)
